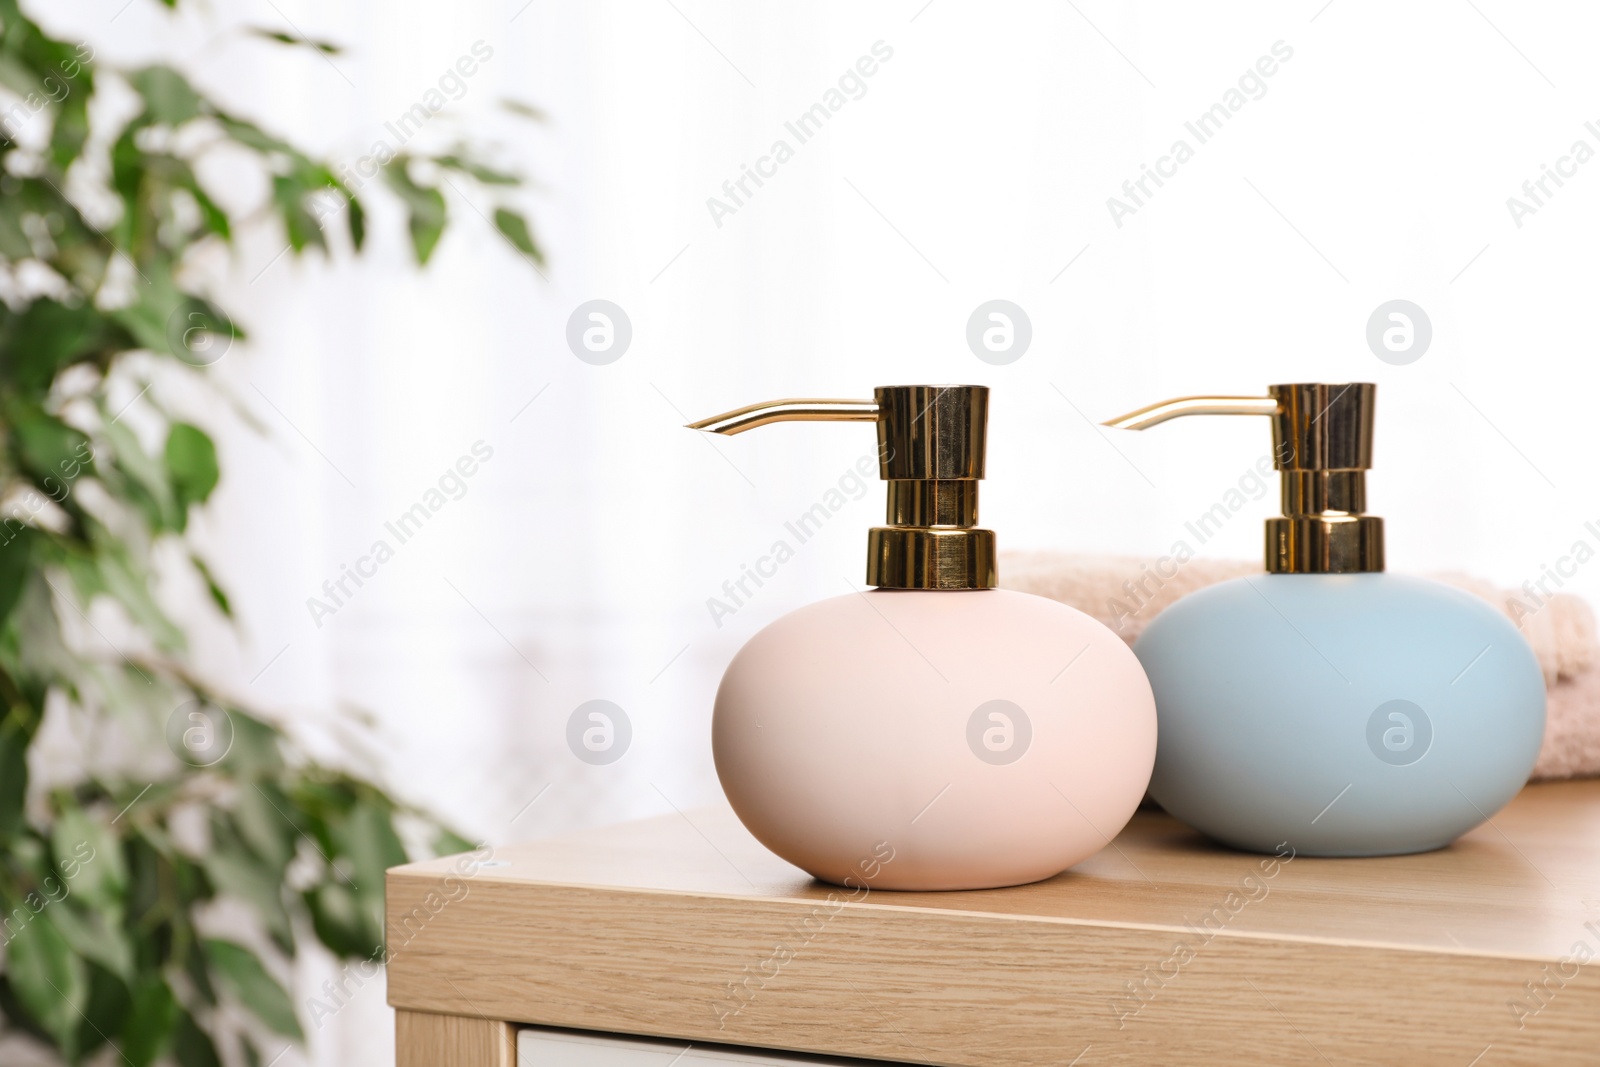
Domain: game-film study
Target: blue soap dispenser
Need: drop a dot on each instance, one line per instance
(1326, 704)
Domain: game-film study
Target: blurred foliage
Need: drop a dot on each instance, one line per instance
(107, 876)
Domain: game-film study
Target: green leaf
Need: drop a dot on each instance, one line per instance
(368, 837)
(219, 596)
(146, 320)
(16, 550)
(138, 470)
(257, 990)
(325, 47)
(340, 922)
(427, 225)
(299, 224)
(14, 241)
(357, 218)
(237, 872)
(212, 216)
(256, 747)
(148, 874)
(95, 935)
(86, 577)
(89, 855)
(515, 229)
(258, 815)
(105, 1012)
(192, 1046)
(16, 76)
(198, 332)
(49, 448)
(253, 137)
(485, 174)
(127, 181)
(449, 843)
(425, 207)
(527, 111)
(197, 968)
(14, 741)
(130, 581)
(71, 129)
(149, 1026)
(169, 99)
(81, 251)
(48, 980)
(50, 335)
(191, 465)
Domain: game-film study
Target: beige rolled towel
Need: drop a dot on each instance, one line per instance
(1125, 593)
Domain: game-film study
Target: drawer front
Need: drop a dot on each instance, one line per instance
(568, 1048)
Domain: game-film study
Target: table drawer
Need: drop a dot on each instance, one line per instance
(571, 1048)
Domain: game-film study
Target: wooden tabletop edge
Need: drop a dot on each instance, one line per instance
(871, 906)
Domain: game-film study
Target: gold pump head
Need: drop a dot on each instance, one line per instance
(931, 442)
(1322, 447)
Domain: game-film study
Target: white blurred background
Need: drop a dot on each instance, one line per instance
(976, 166)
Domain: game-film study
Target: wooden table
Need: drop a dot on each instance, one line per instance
(1162, 949)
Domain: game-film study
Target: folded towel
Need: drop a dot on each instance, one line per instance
(1125, 593)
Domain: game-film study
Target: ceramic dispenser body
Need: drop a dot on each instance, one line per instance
(1326, 703)
(919, 739)
(1345, 714)
(934, 732)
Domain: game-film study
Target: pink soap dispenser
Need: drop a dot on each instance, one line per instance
(933, 732)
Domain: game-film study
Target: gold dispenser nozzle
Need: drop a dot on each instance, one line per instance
(1322, 448)
(931, 441)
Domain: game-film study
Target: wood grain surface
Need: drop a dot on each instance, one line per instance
(422, 1040)
(1162, 949)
